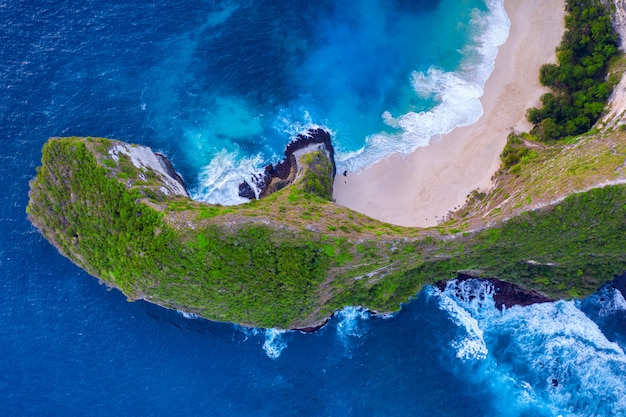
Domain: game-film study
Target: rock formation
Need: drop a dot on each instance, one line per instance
(278, 176)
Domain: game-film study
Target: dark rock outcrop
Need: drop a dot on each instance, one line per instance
(169, 168)
(277, 176)
(313, 329)
(246, 191)
(505, 294)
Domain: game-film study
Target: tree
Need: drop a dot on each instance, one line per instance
(579, 84)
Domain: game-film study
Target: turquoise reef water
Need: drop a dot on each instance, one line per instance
(221, 87)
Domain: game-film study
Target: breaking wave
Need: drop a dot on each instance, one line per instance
(457, 93)
(549, 358)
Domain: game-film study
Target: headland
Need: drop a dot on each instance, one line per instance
(293, 257)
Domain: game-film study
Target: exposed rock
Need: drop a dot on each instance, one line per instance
(313, 329)
(246, 191)
(278, 176)
(142, 157)
(169, 169)
(505, 294)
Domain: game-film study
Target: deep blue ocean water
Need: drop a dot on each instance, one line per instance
(221, 87)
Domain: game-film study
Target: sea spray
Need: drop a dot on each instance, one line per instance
(188, 316)
(607, 308)
(219, 181)
(606, 302)
(274, 343)
(351, 327)
(550, 357)
(461, 299)
(374, 109)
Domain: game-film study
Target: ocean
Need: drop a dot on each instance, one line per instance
(221, 86)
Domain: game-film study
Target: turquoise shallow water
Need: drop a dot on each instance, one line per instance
(222, 85)
(382, 76)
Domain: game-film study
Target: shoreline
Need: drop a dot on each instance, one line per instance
(420, 189)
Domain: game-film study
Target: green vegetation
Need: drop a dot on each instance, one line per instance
(515, 154)
(249, 275)
(559, 252)
(291, 259)
(579, 81)
(317, 174)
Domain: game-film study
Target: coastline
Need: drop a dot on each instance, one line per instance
(419, 189)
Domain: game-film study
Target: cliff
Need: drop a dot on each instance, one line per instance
(553, 224)
(292, 258)
(277, 176)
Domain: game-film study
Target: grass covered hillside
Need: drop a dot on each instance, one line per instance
(554, 221)
(290, 260)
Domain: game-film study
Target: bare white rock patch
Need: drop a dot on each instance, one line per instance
(142, 157)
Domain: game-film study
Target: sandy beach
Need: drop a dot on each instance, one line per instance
(421, 188)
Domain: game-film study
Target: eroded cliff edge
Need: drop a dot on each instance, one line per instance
(291, 259)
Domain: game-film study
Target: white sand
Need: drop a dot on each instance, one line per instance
(421, 188)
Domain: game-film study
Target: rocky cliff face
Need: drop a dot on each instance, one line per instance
(150, 163)
(292, 259)
(278, 176)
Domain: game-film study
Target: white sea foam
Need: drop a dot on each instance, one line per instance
(558, 359)
(294, 125)
(219, 181)
(457, 93)
(274, 343)
(615, 301)
(571, 358)
(618, 300)
(189, 316)
(351, 327)
(470, 344)
(474, 295)
(273, 339)
(247, 332)
(606, 302)
(351, 322)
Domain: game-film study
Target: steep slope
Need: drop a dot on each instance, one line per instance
(292, 258)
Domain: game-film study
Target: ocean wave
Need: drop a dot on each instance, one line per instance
(557, 359)
(604, 304)
(294, 122)
(188, 316)
(565, 356)
(274, 343)
(457, 93)
(351, 327)
(470, 343)
(218, 183)
(351, 322)
(273, 339)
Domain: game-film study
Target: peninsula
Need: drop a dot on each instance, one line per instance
(552, 222)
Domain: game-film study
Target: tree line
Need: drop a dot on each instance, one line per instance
(579, 80)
